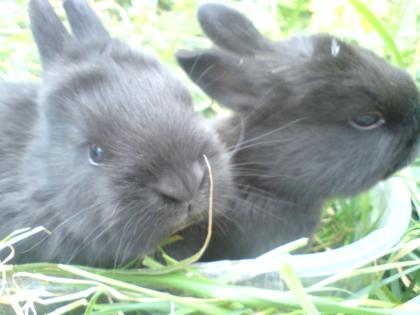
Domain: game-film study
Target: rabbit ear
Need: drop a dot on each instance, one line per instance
(222, 76)
(84, 22)
(231, 30)
(49, 32)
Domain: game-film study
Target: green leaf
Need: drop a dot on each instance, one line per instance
(380, 29)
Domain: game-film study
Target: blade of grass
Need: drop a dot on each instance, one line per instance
(386, 281)
(111, 309)
(289, 276)
(379, 28)
(21, 235)
(191, 302)
(69, 307)
(247, 296)
(250, 296)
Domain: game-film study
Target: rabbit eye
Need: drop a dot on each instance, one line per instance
(367, 121)
(96, 154)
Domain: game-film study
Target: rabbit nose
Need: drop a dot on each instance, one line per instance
(181, 188)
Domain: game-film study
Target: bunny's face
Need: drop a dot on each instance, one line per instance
(322, 118)
(339, 112)
(123, 153)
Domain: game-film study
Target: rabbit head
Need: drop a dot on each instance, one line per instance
(322, 117)
(117, 163)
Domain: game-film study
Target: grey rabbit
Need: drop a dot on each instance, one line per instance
(320, 118)
(106, 152)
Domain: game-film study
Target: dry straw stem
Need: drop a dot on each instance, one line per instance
(210, 212)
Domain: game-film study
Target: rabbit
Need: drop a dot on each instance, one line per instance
(321, 119)
(106, 152)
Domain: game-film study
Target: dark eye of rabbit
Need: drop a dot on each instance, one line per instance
(96, 154)
(367, 121)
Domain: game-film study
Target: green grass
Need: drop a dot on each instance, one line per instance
(388, 285)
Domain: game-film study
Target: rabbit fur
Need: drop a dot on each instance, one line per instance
(105, 152)
(321, 118)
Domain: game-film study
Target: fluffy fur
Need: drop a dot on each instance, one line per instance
(96, 90)
(296, 99)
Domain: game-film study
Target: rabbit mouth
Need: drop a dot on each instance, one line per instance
(183, 227)
(190, 216)
(191, 219)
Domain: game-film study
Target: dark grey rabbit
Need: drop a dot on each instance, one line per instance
(106, 152)
(321, 118)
